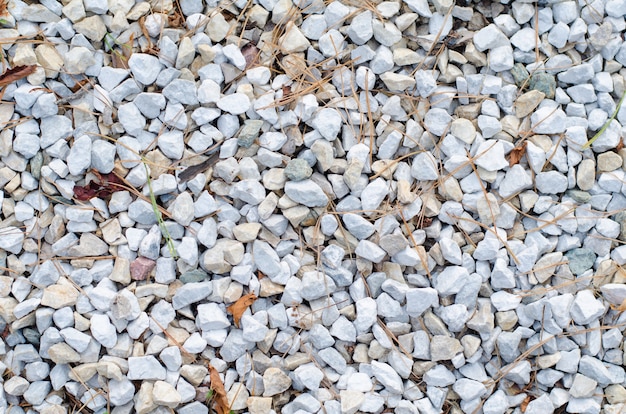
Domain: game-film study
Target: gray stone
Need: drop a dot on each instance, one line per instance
(12, 240)
(306, 192)
(298, 169)
(145, 68)
(181, 91)
(543, 82)
(388, 377)
(191, 293)
(586, 308)
(145, 368)
(551, 182)
(328, 123)
(443, 348)
(580, 260)
(150, 104)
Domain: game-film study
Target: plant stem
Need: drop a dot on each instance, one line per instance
(157, 213)
(606, 124)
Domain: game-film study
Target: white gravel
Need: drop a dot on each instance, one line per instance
(403, 186)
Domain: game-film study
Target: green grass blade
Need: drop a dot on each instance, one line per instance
(606, 124)
(159, 217)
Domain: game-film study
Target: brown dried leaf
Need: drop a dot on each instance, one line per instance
(251, 53)
(79, 85)
(15, 74)
(127, 48)
(239, 307)
(516, 154)
(219, 392)
(620, 145)
(620, 308)
(525, 403)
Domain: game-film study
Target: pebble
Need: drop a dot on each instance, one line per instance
(306, 192)
(328, 123)
(236, 104)
(145, 68)
(275, 381)
(281, 164)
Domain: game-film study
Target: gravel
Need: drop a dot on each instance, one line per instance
(404, 187)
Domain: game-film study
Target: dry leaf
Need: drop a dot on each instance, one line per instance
(516, 154)
(251, 53)
(15, 74)
(79, 85)
(525, 403)
(620, 145)
(620, 308)
(219, 393)
(239, 307)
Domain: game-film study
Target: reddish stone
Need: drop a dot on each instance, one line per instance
(141, 267)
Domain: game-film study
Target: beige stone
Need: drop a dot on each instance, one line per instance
(50, 59)
(165, 394)
(293, 40)
(608, 161)
(259, 405)
(59, 295)
(62, 353)
(144, 402)
(506, 320)
(24, 55)
(528, 102)
(217, 28)
(92, 28)
(463, 129)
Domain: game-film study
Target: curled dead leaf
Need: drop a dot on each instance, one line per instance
(219, 392)
(516, 154)
(15, 74)
(239, 307)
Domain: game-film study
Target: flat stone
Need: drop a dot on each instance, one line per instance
(528, 102)
(145, 368)
(275, 381)
(306, 192)
(145, 68)
(443, 348)
(388, 377)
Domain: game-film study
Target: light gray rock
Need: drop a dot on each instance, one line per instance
(145, 68)
(370, 251)
(306, 192)
(418, 300)
(586, 308)
(145, 368)
(12, 239)
(328, 123)
(437, 121)
(388, 377)
(236, 103)
(150, 104)
(191, 293)
(103, 156)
